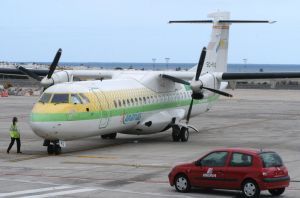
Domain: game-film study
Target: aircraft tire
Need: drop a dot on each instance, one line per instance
(50, 149)
(176, 133)
(112, 136)
(57, 149)
(184, 134)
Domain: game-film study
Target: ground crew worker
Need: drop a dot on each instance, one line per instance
(15, 135)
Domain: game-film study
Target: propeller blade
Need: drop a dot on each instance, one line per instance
(189, 112)
(174, 79)
(200, 63)
(54, 63)
(29, 73)
(218, 92)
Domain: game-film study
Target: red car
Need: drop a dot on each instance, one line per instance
(248, 170)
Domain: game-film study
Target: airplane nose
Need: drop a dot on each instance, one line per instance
(44, 130)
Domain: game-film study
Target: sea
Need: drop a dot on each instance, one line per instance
(182, 66)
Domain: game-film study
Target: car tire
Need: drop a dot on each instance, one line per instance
(250, 189)
(277, 191)
(182, 183)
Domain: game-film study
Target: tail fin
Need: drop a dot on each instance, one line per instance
(217, 49)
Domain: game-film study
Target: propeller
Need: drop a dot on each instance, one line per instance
(197, 85)
(51, 68)
(54, 63)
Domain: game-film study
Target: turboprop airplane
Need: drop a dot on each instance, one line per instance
(136, 102)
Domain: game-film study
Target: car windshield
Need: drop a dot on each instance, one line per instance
(45, 98)
(60, 98)
(271, 159)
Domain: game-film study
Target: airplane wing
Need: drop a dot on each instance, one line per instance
(227, 76)
(17, 72)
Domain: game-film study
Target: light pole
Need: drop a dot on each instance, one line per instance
(153, 60)
(245, 63)
(167, 62)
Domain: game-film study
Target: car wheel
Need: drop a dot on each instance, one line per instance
(250, 189)
(182, 183)
(277, 191)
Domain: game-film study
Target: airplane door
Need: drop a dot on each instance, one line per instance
(102, 106)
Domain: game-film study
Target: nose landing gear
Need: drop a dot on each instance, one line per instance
(180, 133)
(53, 147)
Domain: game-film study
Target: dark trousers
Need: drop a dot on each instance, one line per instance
(12, 143)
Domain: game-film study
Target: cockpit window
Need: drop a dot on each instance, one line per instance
(84, 99)
(60, 98)
(75, 99)
(45, 98)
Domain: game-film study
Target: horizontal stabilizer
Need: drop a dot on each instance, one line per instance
(223, 21)
(193, 21)
(270, 75)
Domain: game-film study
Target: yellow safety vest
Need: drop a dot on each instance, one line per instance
(14, 132)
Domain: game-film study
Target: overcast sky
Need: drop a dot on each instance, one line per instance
(137, 30)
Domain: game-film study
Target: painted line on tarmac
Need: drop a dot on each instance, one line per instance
(96, 157)
(23, 192)
(96, 188)
(141, 193)
(54, 194)
(121, 164)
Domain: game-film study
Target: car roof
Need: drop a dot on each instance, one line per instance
(243, 150)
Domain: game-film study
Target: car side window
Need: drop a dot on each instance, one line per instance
(240, 160)
(215, 159)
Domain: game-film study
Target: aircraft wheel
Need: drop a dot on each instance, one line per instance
(176, 133)
(57, 149)
(50, 149)
(184, 134)
(112, 136)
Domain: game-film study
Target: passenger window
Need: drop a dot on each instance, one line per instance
(84, 99)
(115, 103)
(75, 99)
(240, 160)
(60, 98)
(215, 159)
(271, 159)
(128, 103)
(45, 98)
(132, 102)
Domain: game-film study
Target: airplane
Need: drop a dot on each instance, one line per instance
(136, 102)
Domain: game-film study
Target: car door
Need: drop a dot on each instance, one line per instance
(240, 165)
(209, 171)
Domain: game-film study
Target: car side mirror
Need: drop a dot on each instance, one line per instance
(198, 163)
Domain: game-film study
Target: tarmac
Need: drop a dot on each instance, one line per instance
(137, 166)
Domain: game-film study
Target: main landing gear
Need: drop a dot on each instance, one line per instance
(180, 134)
(111, 136)
(53, 147)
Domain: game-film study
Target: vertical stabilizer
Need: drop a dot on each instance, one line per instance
(217, 48)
